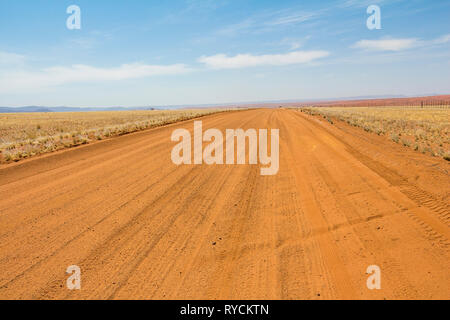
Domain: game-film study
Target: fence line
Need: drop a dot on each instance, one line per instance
(435, 104)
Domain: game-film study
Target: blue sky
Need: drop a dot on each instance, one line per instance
(183, 52)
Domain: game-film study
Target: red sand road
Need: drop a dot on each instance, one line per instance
(141, 227)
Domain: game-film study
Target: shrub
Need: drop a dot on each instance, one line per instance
(395, 137)
(406, 143)
(447, 156)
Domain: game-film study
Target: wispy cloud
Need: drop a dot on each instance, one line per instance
(364, 3)
(242, 26)
(56, 76)
(269, 21)
(222, 61)
(399, 44)
(297, 17)
(205, 4)
(441, 40)
(89, 41)
(193, 9)
(293, 43)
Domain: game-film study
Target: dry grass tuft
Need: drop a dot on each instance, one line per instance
(23, 135)
(426, 130)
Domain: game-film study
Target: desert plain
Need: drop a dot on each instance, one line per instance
(141, 227)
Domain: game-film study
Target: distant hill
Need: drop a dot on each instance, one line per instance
(380, 100)
(32, 109)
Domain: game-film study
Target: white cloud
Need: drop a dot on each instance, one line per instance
(389, 44)
(386, 44)
(222, 61)
(55, 76)
(7, 58)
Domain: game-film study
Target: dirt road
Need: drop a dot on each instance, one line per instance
(140, 227)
